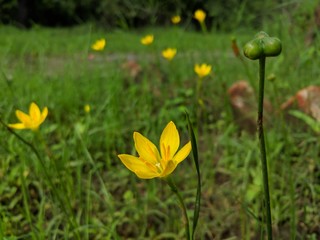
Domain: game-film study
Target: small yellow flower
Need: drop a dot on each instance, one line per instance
(147, 40)
(31, 121)
(176, 19)
(99, 45)
(151, 163)
(169, 53)
(87, 108)
(202, 70)
(199, 15)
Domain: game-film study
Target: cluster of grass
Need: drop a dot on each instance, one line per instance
(86, 192)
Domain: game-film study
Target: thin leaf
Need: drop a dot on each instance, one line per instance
(314, 124)
(196, 162)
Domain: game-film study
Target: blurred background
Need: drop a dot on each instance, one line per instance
(127, 14)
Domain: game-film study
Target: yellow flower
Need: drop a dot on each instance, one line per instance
(200, 15)
(176, 19)
(99, 45)
(147, 40)
(202, 70)
(31, 121)
(87, 108)
(169, 53)
(151, 163)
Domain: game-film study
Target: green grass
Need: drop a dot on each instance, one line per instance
(87, 193)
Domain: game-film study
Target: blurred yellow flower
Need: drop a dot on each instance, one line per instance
(31, 121)
(176, 19)
(202, 70)
(151, 163)
(147, 40)
(99, 45)
(87, 108)
(169, 53)
(199, 15)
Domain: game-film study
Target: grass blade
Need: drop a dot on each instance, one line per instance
(196, 162)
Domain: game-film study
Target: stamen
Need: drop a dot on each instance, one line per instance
(159, 167)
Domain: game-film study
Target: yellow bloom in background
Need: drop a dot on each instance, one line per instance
(31, 121)
(87, 108)
(99, 45)
(176, 19)
(202, 70)
(147, 40)
(151, 163)
(169, 53)
(200, 15)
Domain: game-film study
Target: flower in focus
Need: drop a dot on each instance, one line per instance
(99, 45)
(176, 19)
(151, 163)
(202, 70)
(87, 108)
(169, 53)
(31, 121)
(199, 15)
(147, 40)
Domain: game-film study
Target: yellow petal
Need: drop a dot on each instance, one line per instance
(183, 153)
(24, 118)
(196, 68)
(44, 114)
(17, 126)
(34, 112)
(137, 166)
(146, 149)
(169, 141)
(171, 166)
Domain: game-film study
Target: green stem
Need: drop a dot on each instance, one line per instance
(262, 63)
(175, 190)
(199, 100)
(203, 27)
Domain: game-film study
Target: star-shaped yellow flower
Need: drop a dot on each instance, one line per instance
(202, 70)
(31, 121)
(147, 40)
(176, 19)
(151, 163)
(99, 45)
(199, 15)
(169, 53)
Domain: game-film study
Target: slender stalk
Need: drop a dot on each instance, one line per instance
(26, 205)
(262, 63)
(175, 190)
(196, 163)
(203, 27)
(199, 100)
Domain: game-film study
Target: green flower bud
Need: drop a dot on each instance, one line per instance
(271, 77)
(262, 46)
(253, 49)
(261, 35)
(272, 47)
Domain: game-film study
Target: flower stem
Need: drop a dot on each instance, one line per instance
(262, 63)
(203, 27)
(199, 100)
(175, 190)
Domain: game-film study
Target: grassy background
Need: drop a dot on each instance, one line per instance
(91, 195)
